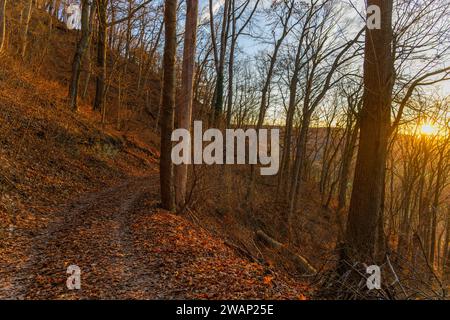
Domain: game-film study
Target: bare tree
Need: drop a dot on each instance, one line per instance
(25, 28)
(2, 24)
(79, 54)
(284, 19)
(219, 55)
(365, 213)
(184, 106)
(168, 103)
(318, 82)
(101, 54)
(237, 12)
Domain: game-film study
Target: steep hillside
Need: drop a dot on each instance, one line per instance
(76, 191)
(49, 155)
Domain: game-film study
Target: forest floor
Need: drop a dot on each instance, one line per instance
(74, 192)
(126, 248)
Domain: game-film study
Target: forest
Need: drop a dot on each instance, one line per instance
(225, 150)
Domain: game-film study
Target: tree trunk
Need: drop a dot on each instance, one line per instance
(286, 157)
(88, 69)
(168, 103)
(218, 97)
(56, 8)
(265, 98)
(435, 206)
(446, 255)
(101, 55)
(184, 106)
(78, 57)
(368, 185)
(297, 175)
(231, 65)
(347, 157)
(25, 28)
(2, 24)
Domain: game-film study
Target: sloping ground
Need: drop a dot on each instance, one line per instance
(74, 193)
(128, 249)
(196, 265)
(48, 155)
(221, 206)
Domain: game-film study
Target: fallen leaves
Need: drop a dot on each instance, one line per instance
(268, 280)
(202, 266)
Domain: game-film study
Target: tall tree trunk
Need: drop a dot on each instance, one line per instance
(297, 175)
(2, 24)
(78, 57)
(50, 6)
(446, 255)
(368, 185)
(435, 207)
(112, 30)
(218, 97)
(325, 161)
(88, 69)
(184, 106)
(285, 167)
(347, 156)
(231, 65)
(128, 32)
(56, 8)
(143, 50)
(168, 103)
(25, 28)
(101, 54)
(265, 94)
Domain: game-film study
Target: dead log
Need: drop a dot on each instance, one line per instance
(242, 251)
(302, 263)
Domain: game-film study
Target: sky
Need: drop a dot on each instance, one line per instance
(251, 46)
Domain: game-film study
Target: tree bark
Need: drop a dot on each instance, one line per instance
(88, 69)
(231, 65)
(368, 185)
(2, 24)
(265, 93)
(220, 64)
(101, 55)
(168, 104)
(79, 54)
(435, 206)
(184, 106)
(446, 255)
(347, 156)
(56, 8)
(25, 28)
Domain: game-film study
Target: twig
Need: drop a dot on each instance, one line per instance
(429, 266)
(396, 277)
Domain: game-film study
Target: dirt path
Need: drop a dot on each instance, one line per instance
(127, 248)
(93, 233)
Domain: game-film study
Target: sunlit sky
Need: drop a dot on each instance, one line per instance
(251, 46)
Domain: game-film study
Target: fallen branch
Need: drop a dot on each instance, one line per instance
(302, 264)
(6, 180)
(242, 251)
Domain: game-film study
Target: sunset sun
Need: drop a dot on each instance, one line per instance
(428, 129)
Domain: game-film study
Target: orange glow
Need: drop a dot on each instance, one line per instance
(428, 129)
